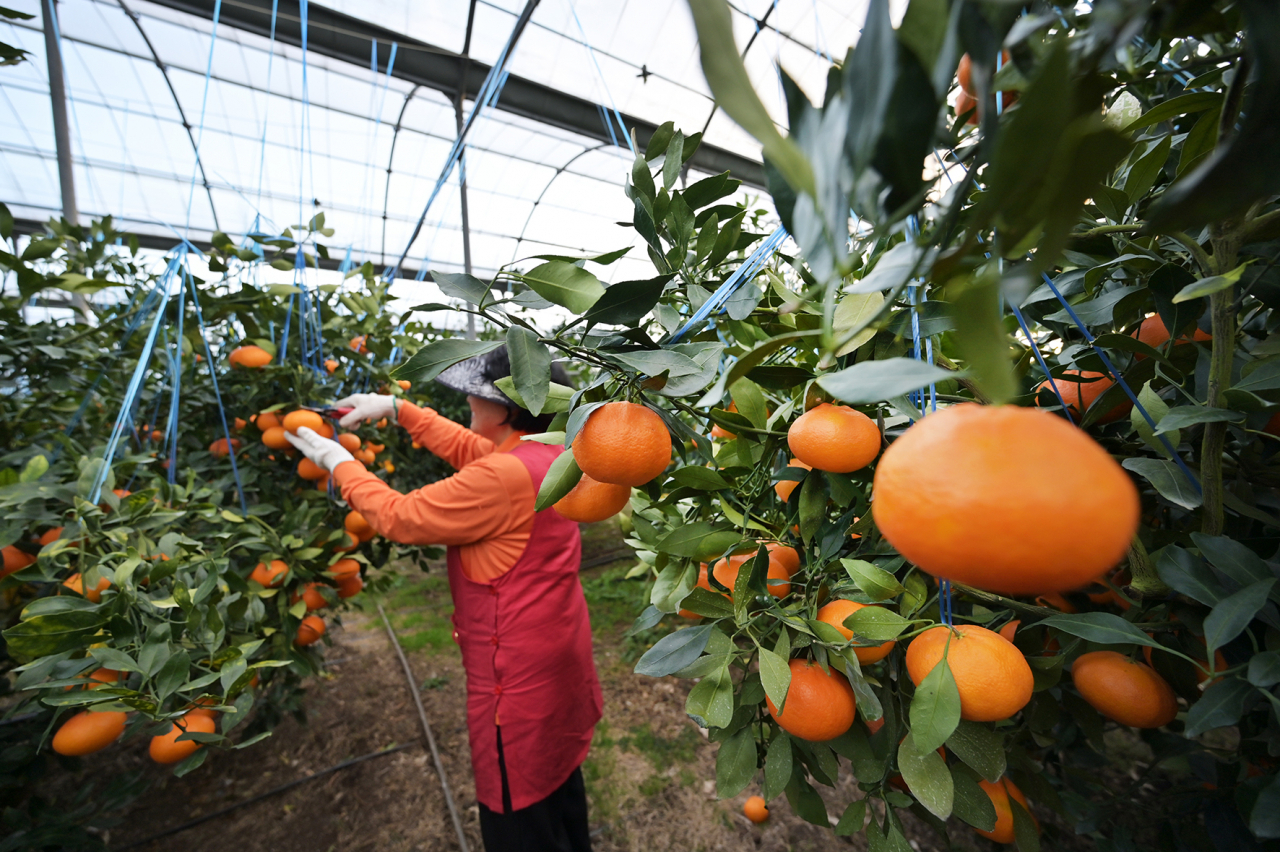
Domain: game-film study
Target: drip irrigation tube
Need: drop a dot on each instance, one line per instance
(273, 792)
(426, 729)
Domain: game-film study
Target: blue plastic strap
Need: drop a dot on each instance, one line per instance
(744, 273)
(622, 125)
(175, 370)
(1035, 348)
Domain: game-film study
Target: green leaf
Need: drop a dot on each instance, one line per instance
(775, 674)
(980, 748)
(1157, 408)
(434, 358)
(701, 478)
(1103, 628)
(1264, 820)
(1232, 614)
(1212, 284)
(777, 766)
(700, 540)
(876, 623)
(711, 699)
(971, 803)
(45, 635)
(565, 284)
(813, 504)
(980, 337)
(853, 818)
(530, 367)
(560, 479)
(927, 777)
(1025, 831)
(1187, 574)
(1264, 669)
(673, 160)
(627, 302)
(707, 604)
(875, 381)
(727, 77)
(35, 468)
(878, 583)
(191, 763)
(459, 285)
(558, 397)
(1191, 415)
(1144, 173)
(1174, 107)
(655, 362)
(735, 763)
(674, 651)
(1265, 375)
(935, 708)
(892, 269)
(855, 312)
(1167, 479)
(1221, 705)
(173, 674)
(750, 402)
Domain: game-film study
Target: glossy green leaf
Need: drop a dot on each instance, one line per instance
(775, 674)
(980, 748)
(530, 367)
(876, 623)
(1232, 614)
(627, 302)
(674, 651)
(878, 583)
(1167, 479)
(1103, 628)
(927, 777)
(565, 284)
(560, 479)
(971, 803)
(557, 400)
(935, 708)
(1210, 285)
(701, 540)
(875, 381)
(1221, 705)
(434, 358)
(711, 699)
(459, 285)
(735, 763)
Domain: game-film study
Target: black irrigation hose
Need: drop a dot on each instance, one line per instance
(252, 799)
(426, 729)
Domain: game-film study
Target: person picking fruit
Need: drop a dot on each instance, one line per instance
(520, 616)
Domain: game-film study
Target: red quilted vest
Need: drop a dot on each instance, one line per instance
(526, 647)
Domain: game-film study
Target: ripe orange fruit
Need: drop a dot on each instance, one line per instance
(1010, 630)
(1155, 334)
(218, 449)
(349, 441)
(310, 631)
(965, 69)
(992, 676)
(834, 438)
(347, 543)
(784, 554)
(357, 526)
(15, 559)
(999, 794)
(590, 501)
(200, 707)
(783, 489)
(376, 448)
(623, 444)
(267, 420)
(121, 492)
(295, 420)
(818, 706)
(835, 612)
(49, 536)
(238, 424)
(157, 435)
(166, 749)
(88, 731)
(322, 484)
(999, 498)
(1080, 395)
(381, 424)
(311, 597)
(271, 575)
(343, 568)
(755, 810)
(307, 469)
(274, 438)
(964, 103)
(76, 584)
(249, 357)
(404, 384)
(389, 466)
(367, 456)
(357, 345)
(350, 586)
(1124, 691)
(331, 365)
(726, 573)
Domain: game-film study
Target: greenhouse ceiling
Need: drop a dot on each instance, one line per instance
(360, 125)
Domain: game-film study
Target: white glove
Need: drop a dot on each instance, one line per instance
(324, 452)
(365, 407)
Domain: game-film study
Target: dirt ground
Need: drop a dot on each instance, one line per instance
(650, 774)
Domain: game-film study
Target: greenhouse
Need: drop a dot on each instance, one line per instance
(567, 424)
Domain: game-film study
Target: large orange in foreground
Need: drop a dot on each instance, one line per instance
(87, 732)
(623, 444)
(999, 793)
(992, 676)
(1007, 499)
(590, 501)
(818, 706)
(1123, 690)
(834, 438)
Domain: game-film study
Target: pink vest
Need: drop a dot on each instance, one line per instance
(526, 647)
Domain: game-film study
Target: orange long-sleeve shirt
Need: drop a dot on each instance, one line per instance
(485, 509)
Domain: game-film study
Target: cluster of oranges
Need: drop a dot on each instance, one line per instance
(273, 428)
(621, 446)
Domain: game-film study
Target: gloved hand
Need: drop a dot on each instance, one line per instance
(324, 452)
(366, 406)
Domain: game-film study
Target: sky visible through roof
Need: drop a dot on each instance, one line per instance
(368, 148)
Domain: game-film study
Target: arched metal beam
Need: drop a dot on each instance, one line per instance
(386, 193)
(164, 72)
(550, 181)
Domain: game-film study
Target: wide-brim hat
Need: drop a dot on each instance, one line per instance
(469, 377)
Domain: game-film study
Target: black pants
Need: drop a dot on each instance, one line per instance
(558, 823)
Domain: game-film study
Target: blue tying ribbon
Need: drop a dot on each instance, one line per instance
(605, 83)
(744, 273)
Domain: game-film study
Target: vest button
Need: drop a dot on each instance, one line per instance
(497, 690)
(493, 591)
(493, 640)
